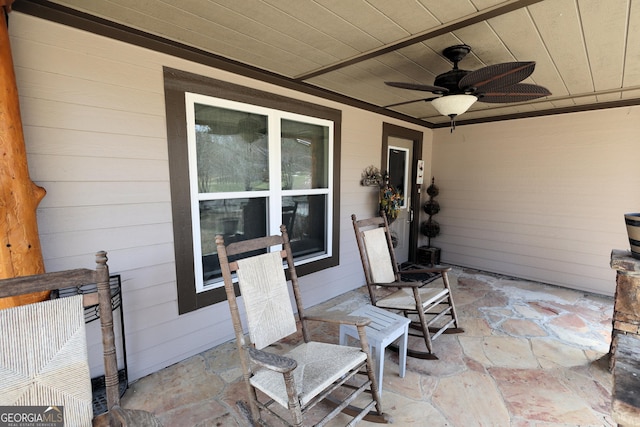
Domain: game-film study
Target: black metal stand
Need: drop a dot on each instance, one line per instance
(428, 255)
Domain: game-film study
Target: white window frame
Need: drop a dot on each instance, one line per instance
(274, 195)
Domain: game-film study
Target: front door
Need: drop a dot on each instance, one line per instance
(401, 151)
(399, 155)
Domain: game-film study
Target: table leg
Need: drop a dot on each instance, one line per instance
(402, 353)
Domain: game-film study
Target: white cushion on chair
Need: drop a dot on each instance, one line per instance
(380, 263)
(43, 358)
(319, 365)
(263, 286)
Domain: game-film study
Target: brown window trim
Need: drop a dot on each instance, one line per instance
(176, 83)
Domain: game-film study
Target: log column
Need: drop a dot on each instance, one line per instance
(20, 251)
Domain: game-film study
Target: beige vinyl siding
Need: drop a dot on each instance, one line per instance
(540, 198)
(93, 115)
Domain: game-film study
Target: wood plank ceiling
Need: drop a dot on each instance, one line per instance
(587, 52)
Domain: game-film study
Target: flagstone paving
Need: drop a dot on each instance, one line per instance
(532, 355)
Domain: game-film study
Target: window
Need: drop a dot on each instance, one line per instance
(252, 169)
(242, 162)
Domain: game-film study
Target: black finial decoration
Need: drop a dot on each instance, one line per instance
(431, 228)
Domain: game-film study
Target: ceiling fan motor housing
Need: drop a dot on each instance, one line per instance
(450, 80)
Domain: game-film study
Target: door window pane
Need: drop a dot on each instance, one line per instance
(305, 149)
(232, 150)
(398, 170)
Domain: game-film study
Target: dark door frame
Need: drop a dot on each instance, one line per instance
(390, 130)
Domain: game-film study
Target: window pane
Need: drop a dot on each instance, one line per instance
(232, 150)
(398, 172)
(305, 149)
(306, 220)
(235, 219)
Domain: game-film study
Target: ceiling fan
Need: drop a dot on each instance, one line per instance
(459, 89)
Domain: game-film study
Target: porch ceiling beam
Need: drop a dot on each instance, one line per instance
(457, 24)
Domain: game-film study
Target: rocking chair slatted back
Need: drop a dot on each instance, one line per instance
(378, 256)
(266, 299)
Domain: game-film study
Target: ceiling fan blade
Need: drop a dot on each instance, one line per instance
(417, 86)
(496, 76)
(519, 92)
(409, 102)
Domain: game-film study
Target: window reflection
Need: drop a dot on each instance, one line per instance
(305, 219)
(232, 150)
(235, 219)
(304, 149)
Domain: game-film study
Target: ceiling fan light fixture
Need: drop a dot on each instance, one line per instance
(453, 104)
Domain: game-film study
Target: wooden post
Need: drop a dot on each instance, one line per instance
(20, 252)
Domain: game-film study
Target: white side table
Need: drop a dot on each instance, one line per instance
(385, 328)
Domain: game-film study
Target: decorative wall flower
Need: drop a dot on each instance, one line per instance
(371, 176)
(391, 201)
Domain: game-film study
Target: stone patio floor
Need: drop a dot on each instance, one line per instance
(532, 355)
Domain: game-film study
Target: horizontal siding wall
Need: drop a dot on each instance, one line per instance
(93, 115)
(540, 198)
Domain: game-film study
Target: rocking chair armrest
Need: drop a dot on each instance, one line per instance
(271, 361)
(340, 319)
